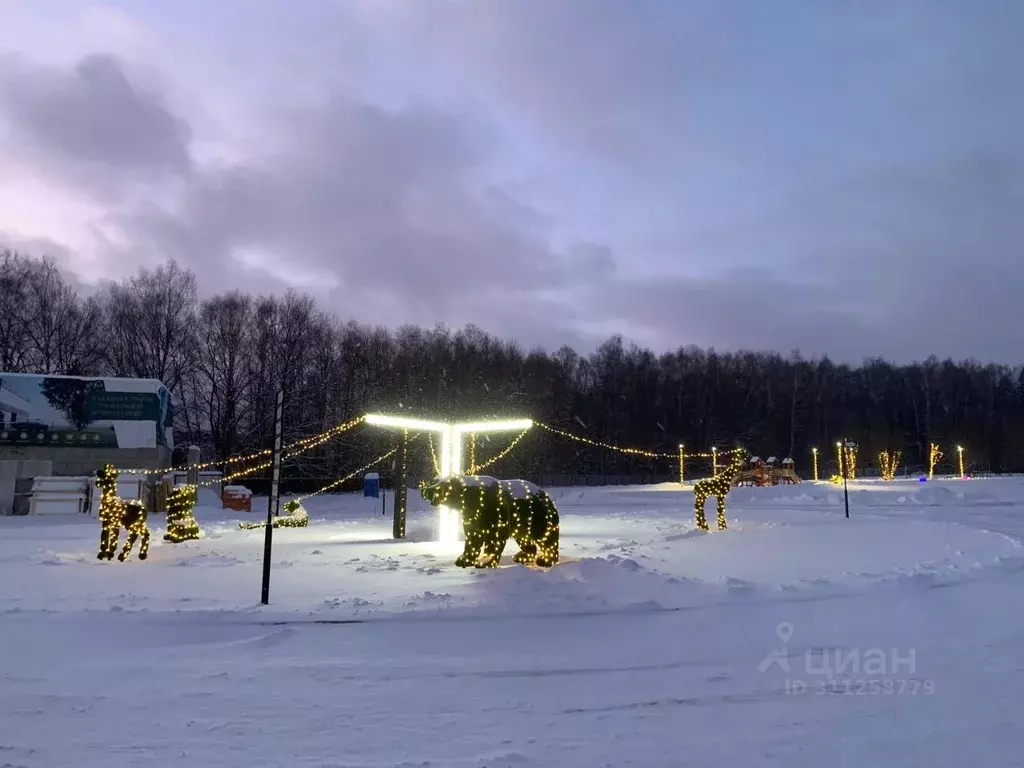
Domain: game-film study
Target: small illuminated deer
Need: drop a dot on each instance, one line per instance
(116, 513)
(719, 487)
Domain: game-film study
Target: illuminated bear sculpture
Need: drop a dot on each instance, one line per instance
(493, 511)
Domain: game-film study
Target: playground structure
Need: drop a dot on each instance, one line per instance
(759, 473)
(786, 474)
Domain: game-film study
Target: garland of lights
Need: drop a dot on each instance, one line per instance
(296, 517)
(712, 454)
(332, 485)
(116, 513)
(846, 458)
(934, 454)
(294, 449)
(851, 462)
(719, 487)
(433, 455)
(493, 511)
(181, 522)
(503, 454)
(889, 461)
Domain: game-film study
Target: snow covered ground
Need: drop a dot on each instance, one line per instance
(797, 637)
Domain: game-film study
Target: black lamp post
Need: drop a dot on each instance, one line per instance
(843, 448)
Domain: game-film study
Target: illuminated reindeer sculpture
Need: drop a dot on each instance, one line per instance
(719, 487)
(116, 513)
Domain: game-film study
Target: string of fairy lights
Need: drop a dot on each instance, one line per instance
(648, 454)
(433, 456)
(355, 473)
(846, 456)
(475, 469)
(295, 448)
(314, 441)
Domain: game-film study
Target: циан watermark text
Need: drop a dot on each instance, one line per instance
(852, 671)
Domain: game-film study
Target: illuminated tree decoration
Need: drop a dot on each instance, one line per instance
(851, 462)
(181, 522)
(493, 511)
(296, 517)
(719, 487)
(934, 454)
(116, 513)
(889, 461)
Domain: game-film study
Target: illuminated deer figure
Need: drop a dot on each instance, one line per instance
(719, 487)
(116, 513)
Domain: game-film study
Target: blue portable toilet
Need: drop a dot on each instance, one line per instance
(371, 485)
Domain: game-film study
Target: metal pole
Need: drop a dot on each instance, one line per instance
(272, 505)
(401, 487)
(842, 471)
(194, 454)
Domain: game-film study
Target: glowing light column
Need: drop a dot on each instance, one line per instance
(449, 522)
(419, 425)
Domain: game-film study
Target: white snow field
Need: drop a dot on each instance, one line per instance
(797, 637)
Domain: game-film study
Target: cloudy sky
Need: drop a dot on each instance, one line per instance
(836, 177)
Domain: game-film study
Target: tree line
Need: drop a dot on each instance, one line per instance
(224, 358)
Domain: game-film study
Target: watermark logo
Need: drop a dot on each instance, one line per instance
(780, 656)
(879, 671)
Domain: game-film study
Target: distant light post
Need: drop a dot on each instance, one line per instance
(814, 452)
(960, 451)
(850, 445)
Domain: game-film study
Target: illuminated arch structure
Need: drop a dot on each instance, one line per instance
(451, 459)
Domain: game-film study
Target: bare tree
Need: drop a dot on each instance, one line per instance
(15, 344)
(151, 322)
(221, 377)
(61, 328)
(226, 359)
